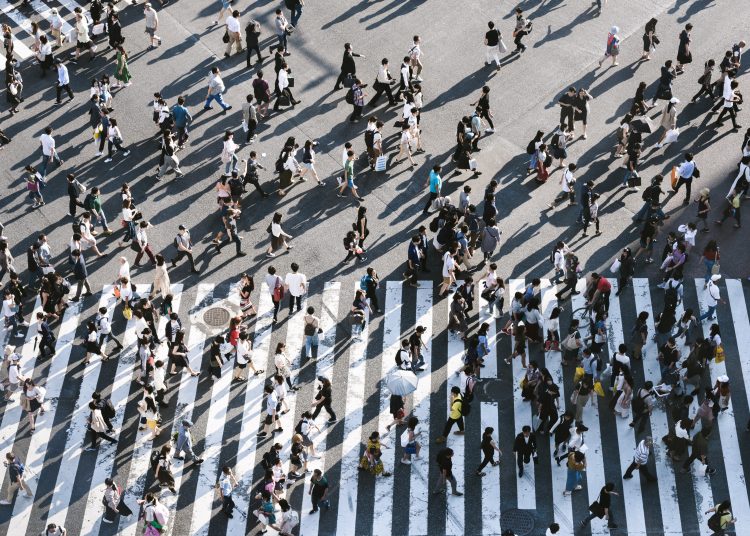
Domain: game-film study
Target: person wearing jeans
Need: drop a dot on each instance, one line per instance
(281, 34)
(312, 325)
(215, 89)
(445, 462)
(15, 473)
(713, 297)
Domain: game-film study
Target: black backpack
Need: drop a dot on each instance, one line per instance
(670, 297)
(349, 98)
(298, 428)
(369, 138)
(638, 404)
(88, 202)
(154, 460)
(108, 410)
(531, 147)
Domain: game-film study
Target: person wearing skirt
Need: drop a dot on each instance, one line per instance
(113, 502)
(246, 287)
(34, 397)
(122, 73)
(164, 469)
(178, 355)
(161, 278)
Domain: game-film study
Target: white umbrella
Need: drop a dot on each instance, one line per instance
(401, 382)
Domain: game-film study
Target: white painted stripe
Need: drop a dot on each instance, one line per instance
(419, 487)
(12, 413)
(76, 429)
(44, 10)
(670, 508)
(187, 390)
(251, 419)
(141, 453)
(383, 504)
(295, 345)
(455, 506)
(490, 361)
(726, 421)
(631, 493)
(351, 446)
(563, 506)
(104, 458)
(19, 48)
(53, 383)
(309, 523)
(525, 486)
(491, 481)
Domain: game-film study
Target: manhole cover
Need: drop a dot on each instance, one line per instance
(520, 522)
(216, 317)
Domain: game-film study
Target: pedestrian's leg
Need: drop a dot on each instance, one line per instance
(452, 480)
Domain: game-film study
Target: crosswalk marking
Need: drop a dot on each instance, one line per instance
(44, 11)
(144, 444)
(490, 361)
(419, 482)
(248, 441)
(491, 500)
(12, 414)
(186, 392)
(19, 48)
(631, 494)
(53, 384)
(104, 458)
(77, 429)
(454, 506)
(725, 421)
(310, 523)
(670, 511)
(350, 449)
(383, 503)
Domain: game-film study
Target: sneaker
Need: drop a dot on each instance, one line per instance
(99, 153)
(4, 502)
(105, 520)
(332, 421)
(107, 160)
(198, 461)
(489, 130)
(457, 494)
(89, 449)
(408, 462)
(126, 153)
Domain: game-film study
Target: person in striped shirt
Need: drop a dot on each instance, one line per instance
(640, 460)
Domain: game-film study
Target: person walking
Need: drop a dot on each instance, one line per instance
(721, 519)
(80, 273)
(435, 183)
(215, 89)
(122, 71)
(323, 399)
(16, 470)
(184, 443)
(712, 297)
(144, 247)
(602, 507)
(152, 25)
(525, 448)
(184, 246)
(684, 56)
(232, 234)
(523, 28)
(296, 285)
(488, 446)
(226, 485)
(445, 465)
(233, 33)
(349, 177)
(63, 81)
(492, 39)
(640, 460)
(319, 488)
(457, 412)
(700, 449)
(613, 46)
(348, 67)
(49, 152)
(97, 427)
(576, 465)
(252, 41)
(113, 502)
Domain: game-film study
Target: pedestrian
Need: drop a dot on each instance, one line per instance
(721, 519)
(435, 183)
(16, 470)
(684, 56)
(640, 460)
(348, 68)
(56, 23)
(232, 234)
(372, 461)
(732, 99)
(349, 176)
(457, 411)
(54, 529)
(289, 519)
(492, 47)
(323, 399)
(319, 488)
(184, 247)
(152, 24)
(613, 46)
(444, 460)
(525, 448)
(114, 138)
(80, 273)
(184, 443)
(707, 86)
(488, 446)
(97, 428)
(226, 484)
(383, 82)
(712, 297)
(233, 35)
(113, 502)
(215, 89)
(49, 152)
(415, 58)
(83, 41)
(162, 465)
(523, 27)
(602, 507)
(357, 100)
(664, 89)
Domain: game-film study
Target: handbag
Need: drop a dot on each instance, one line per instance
(598, 389)
(289, 29)
(716, 268)
(672, 135)
(634, 180)
(719, 355)
(127, 312)
(574, 397)
(674, 177)
(503, 46)
(225, 37)
(380, 163)
(615, 266)
(97, 29)
(290, 81)
(579, 373)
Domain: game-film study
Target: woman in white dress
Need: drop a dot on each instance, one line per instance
(161, 278)
(624, 383)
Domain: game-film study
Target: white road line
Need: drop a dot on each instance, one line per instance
(295, 346)
(632, 496)
(310, 523)
(725, 421)
(104, 458)
(140, 457)
(455, 506)
(19, 48)
(670, 508)
(351, 446)
(491, 481)
(383, 503)
(12, 414)
(187, 389)
(53, 383)
(44, 10)
(490, 361)
(419, 487)
(77, 427)
(526, 485)
(251, 417)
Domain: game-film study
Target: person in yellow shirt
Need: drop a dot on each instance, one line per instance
(457, 412)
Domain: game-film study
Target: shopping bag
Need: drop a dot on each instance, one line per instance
(503, 46)
(127, 312)
(598, 389)
(578, 376)
(615, 266)
(97, 29)
(719, 354)
(674, 177)
(380, 163)
(716, 268)
(672, 135)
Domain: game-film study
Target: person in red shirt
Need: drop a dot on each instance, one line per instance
(602, 289)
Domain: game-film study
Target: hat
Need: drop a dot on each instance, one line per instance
(683, 228)
(182, 227)
(674, 100)
(715, 277)
(9, 349)
(723, 379)
(614, 30)
(521, 323)
(186, 423)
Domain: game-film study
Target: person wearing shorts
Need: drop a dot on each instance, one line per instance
(152, 23)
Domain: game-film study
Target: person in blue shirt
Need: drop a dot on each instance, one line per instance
(414, 261)
(435, 183)
(182, 120)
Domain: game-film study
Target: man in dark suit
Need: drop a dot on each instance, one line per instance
(81, 274)
(348, 67)
(525, 448)
(46, 336)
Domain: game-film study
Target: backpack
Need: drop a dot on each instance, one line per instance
(279, 166)
(555, 140)
(154, 459)
(20, 466)
(235, 186)
(638, 404)
(293, 520)
(435, 225)
(714, 522)
(108, 410)
(298, 428)
(349, 98)
(531, 147)
(363, 282)
(290, 4)
(670, 297)
(88, 202)
(369, 138)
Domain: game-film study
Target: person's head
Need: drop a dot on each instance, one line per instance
(215, 70)
(526, 430)
(455, 390)
(554, 528)
(278, 13)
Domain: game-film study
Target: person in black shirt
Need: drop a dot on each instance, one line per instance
(323, 400)
(488, 447)
(232, 234)
(567, 108)
(525, 448)
(483, 103)
(649, 39)
(445, 463)
(684, 55)
(252, 34)
(348, 67)
(492, 44)
(601, 507)
(651, 201)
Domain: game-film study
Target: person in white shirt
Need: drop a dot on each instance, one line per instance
(404, 78)
(10, 314)
(56, 23)
(731, 99)
(449, 265)
(713, 297)
(296, 285)
(228, 152)
(284, 90)
(14, 377)
(44, 54)
(114, 138)
(567, 182)
(244, 357)
(687, 170)
(415, 55)
(152, 24)
(405, 145)
(49, 153)
(63, 81)
(104, 328)
(233, 30)
(382, 84)
(83, 41)
(271, 419)
(160, 385)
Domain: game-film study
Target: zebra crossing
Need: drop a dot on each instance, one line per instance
(68, 482)
(20, 17)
